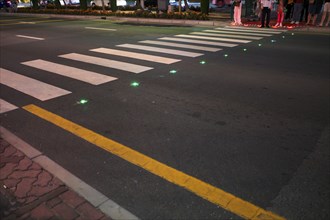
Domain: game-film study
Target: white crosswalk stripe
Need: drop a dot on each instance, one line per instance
(107, 62)
(255, 30)
(213, 38)
(206, 40)
(238, 33)
(72, 72)
(31, 87)
(202, 42)
(6, 106)
(227, 35)
(161, 50)
(139, 56)
(188, 46)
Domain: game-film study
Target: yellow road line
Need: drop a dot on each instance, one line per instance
(215, 195)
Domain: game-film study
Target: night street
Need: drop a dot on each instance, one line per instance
(175, 122)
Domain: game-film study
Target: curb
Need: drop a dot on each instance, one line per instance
(34, 186)
(177, 22)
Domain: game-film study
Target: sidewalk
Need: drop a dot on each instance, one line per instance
(28, 191)
(225, 21)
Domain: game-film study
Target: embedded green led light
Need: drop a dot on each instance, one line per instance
(292, 34)
(226, 55)
(283, 37)
(82, 101)
(244, 49)
(273, 41)
(135, 84)
(173, 71)
(202, 62)
(259, 45)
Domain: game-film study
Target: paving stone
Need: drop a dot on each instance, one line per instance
(11, 159)
(19, 154)
(24, 187)
(43, 179)
(41, 190)
(35, 166)
(7, 170)
(41, 212)
(72, 199)
(54, 202)
(65, 211)
(10, 150)
(25, 216)
(3, 145)
(30, 199)
(24, 174)
(10, 183)
(24, 164)
(89, 211)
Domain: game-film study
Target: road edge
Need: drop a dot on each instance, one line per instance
(96, 198)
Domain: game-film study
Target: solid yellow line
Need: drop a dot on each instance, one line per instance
(198, 187)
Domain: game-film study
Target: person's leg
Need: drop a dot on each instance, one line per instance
(263, 14)
(327, 24)
(282, 18)
(239, 13)
(235, 15)
(278, 19)
(268, 17)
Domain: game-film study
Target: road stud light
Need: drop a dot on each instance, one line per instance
(135, 84)
(82, 101)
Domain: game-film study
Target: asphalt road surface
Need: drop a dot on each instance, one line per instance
(175, 122)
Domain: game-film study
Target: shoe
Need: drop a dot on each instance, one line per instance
(292, 22)
(297, 22)
(277, 24)
(280, 25)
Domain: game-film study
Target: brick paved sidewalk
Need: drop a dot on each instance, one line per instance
(30, 192)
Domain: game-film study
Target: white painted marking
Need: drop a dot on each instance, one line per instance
(107, 62)
(96, 198)
(101, 29)
(212, 43)
(238, 33)
(31, 87)
(30, 37)
(72, 72)
(161, 50)
(256, 30)
(139, 56)
(6, 106)
(227, 35)
(188, 46)
(213, 38)
(27, 22)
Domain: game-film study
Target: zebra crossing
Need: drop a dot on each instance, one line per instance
(191, 45)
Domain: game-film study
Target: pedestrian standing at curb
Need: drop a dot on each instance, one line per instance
(297, 8)
(266, 7)
(326, 11)
(314, 9)
(289, 6)
(280, 14)
(237, 12)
